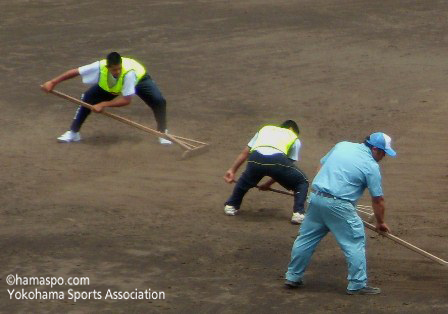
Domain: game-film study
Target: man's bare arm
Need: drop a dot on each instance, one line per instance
(229, 177)
(49, 85)
(379, 210)
(265, 186)
(116, 102)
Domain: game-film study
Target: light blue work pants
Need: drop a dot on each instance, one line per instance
(340, 217)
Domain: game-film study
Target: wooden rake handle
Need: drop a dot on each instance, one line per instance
(189, 140)
(124, 120)
(407, 245)
(370, 216)
(387, 235)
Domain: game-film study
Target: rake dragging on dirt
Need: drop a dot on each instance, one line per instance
(367, 211)
(191, 147)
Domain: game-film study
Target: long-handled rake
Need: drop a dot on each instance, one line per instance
(366, 210)
(407, 245)
(191, 147)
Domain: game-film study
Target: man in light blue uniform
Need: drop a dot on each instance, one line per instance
(344, 174)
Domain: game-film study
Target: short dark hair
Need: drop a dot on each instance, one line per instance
(366, 142)
(291, 124)
(370, 145)
(113, 58)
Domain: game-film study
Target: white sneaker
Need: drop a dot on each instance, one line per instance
(164, 141)
(230, 210)
(297, 218)
(69, 136)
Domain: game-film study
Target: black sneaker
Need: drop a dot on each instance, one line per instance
(365, 291)
(293, 284)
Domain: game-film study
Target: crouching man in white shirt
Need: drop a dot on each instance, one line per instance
(114, 81)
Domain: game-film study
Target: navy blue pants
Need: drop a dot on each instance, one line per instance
(278, 167)
(146, 89)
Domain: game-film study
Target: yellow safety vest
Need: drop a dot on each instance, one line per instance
(127, 65)
(275, 137)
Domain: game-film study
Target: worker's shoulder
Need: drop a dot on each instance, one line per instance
(357, 151)
(347, 145)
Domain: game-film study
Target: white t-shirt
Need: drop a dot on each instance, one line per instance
(293, 153)
(91, 73)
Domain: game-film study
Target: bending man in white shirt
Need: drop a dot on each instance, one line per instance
(271, 152)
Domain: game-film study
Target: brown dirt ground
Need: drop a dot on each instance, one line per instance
(125, 212)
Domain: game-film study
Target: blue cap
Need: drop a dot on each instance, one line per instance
(382, 141)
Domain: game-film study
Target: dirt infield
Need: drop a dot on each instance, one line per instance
(123, 211)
